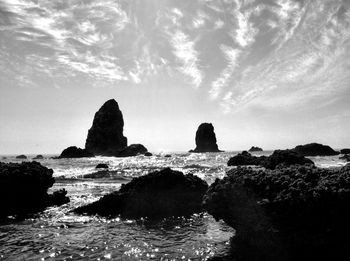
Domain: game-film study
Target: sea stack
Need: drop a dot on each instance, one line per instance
(206, 139)
(105, 137)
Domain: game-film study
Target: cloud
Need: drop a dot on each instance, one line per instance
(184, 50)
(231, 55)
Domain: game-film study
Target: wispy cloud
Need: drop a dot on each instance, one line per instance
(184, 50)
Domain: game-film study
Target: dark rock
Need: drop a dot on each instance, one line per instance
(345, 151)
(23, 189)
(254, 149)
(101, 166)
(315, 149)
(131, 150)
(148, 154)
(4, 158)
(278, 157)
(21, 157)
(345, 157)
(75, 152)
(294, 213)
(167, 156)
(105, 137)
(243, 159)
(206, 139)
(38, 157)
(285, 158)
(159, 194)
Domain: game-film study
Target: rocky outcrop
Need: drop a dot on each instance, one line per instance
(345, 157)
(75, 152)
(23, 189)
(131, 150)
(345, 151)
(255, 149)
(101, 166)
(278, 157)
(148, 154)
(315, 149)
(206, 139)
(294, 213)
(159, 194)
(21, 157)
(105, 137)
(38, 157)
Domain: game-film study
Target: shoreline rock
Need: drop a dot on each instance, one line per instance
(101, 166)
(156, 195)
(278, 157)
(315, 149)
(21, 157)
(38, 157)
(294, 213)
(23, 189)
(75, 152)
(345, 151)
(255, 149)
(206, 139)
(132, 150)
(105, 137)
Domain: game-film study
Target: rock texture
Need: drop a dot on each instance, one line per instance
(75, 152)
(206, 139)
(21, 157)
(315, 149)
(23, 189)
(254, 149)
(294, 213)
(345, 151)
(105, 137)
(278, 157)
(159, 194)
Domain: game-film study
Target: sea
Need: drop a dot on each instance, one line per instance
(58, 234)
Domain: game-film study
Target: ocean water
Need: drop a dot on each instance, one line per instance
(57, 234)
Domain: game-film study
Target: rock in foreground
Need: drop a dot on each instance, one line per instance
(255, 149)
(295, 213)
(105, 137)
(159, 194)
(75, 152)
(23, 189)
(315, 149)
(278, 157)
(206, 139)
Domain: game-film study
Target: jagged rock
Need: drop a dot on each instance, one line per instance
(38, 157)
(159, 194)
(206, 139)
(75, 152)
(315, 149)
(131, 150)
(21, 157)
(148, 154)
(278, 157)
(294, 213)
(105, 137)
(101, 166)
(345, 151)
(254, 149)
(23, 189)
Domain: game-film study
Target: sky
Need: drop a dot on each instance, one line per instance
(268, 73)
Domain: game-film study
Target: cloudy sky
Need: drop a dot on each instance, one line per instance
(272, 73)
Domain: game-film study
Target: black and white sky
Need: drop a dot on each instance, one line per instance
(272, 73)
